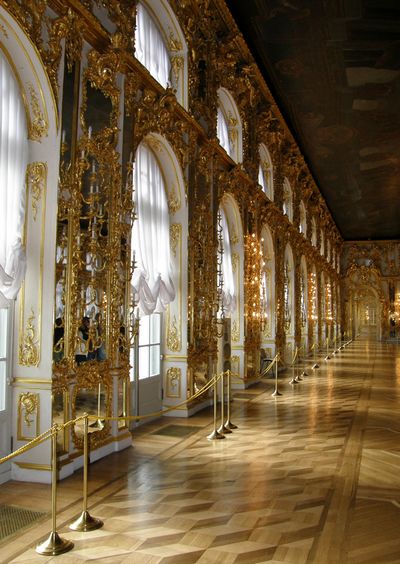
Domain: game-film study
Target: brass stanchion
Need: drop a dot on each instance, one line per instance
(228, 422)
(99, 423)
(54, 544)
(327, 349)
(222, 429)
(215, 434)
(276, 392)
(304, 373)
(294, 379)
(85, 521)
(315, 365)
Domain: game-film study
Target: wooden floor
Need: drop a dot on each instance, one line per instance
(313, 476)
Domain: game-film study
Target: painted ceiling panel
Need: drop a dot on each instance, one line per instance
(334, 69)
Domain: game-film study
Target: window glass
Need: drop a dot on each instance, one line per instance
(150, 48)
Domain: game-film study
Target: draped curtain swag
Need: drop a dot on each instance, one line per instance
(153, 277)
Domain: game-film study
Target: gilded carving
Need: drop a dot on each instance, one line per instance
(28, 416)
(36, 175)
(174, 377)
(38, 127)
(29, 354)
(3, 31)
(174, 336)
(235, 332)
(175, 234)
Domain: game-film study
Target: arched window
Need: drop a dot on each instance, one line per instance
(13, 161)
(322, 242)
(265, 172)
(303, 219)
(287, 204)
(222, 132)
(152, 279)
(150, 48)
(268, 281)
(328, 250)
(228, 280)
(303, 294)
(229, 125)
(161, 47)
(313, 232)
(288, 290)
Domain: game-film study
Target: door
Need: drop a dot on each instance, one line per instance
(5, 390)
(146, 376)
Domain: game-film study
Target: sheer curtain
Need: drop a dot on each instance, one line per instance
(152, 279)
(229, 293)
(223, 133)
(261, 179)
(150, 48)
(13, 160)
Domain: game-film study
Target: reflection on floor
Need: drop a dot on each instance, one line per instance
(312, 476)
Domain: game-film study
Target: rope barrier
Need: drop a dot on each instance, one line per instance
(269, 367)
(36, 441)
(50, 432)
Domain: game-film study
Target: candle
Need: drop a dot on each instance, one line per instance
(63, 136)
(89, 132)
(93, 166)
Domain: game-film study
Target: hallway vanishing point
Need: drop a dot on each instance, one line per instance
(312, 476)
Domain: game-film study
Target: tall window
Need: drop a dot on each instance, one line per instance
(265, 172)
(322, 242)
(151, 50)
(4, 348)
(287, 205)
(229, 292)
(229, 125)
(13, 160)
(223, 133)
(313, 232)
(303, 219)
(152, 279)
(149, 346)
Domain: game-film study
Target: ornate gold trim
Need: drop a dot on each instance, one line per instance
(28, 354)
(28, 405)
(174, 342)
(174, 380)
(34, 466)
(36, 175)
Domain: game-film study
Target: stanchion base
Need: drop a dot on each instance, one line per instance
(98, 424)
(293, 381)
(86, 523)
(315, 366)
(327, 357)
(230, 425)
(298, 379)
(224, 430)
(54, 545)
(304, 373)
(276, 393)
(214, 436)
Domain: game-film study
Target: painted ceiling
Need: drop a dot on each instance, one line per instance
(333, 67)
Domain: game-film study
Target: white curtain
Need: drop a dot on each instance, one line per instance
(261, 179)
(152, 280)
(150, 48)
(13, 160)
(223, 132)
(229, 291)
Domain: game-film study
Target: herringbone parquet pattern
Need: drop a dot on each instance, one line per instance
(312, 476)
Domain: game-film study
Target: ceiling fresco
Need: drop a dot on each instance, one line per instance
(333, 67)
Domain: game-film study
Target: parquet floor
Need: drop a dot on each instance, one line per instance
(312, 476)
